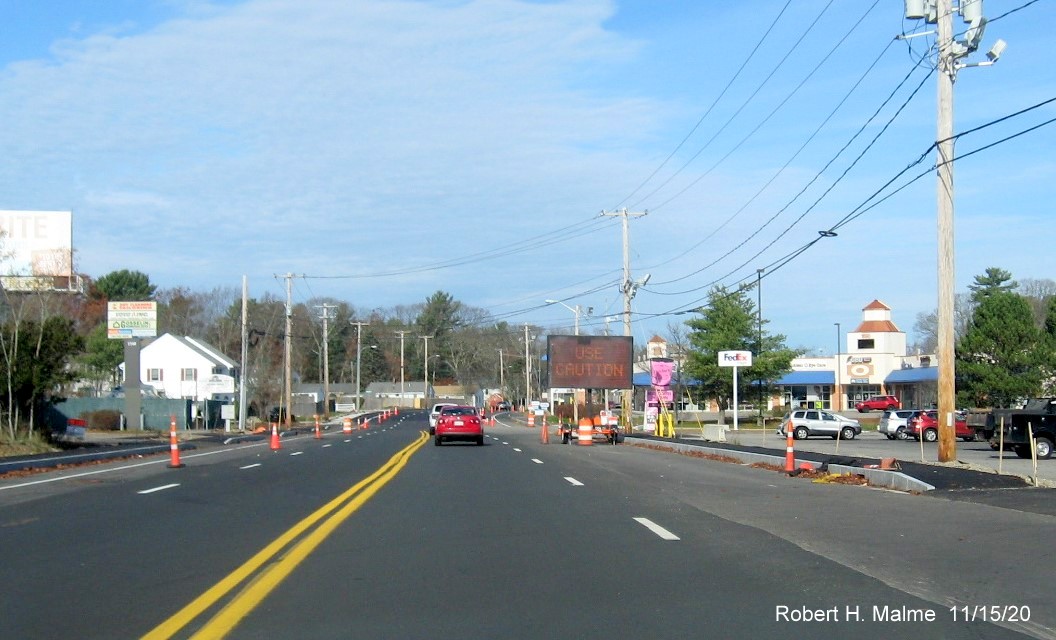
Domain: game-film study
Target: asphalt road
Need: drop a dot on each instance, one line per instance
(383, 535)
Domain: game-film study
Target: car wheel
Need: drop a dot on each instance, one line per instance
(1022, 450)
(847, 433)
(801, 433)
(891, 407)
(890, 436)
(480, 441)
(432, 431)
(436, 441)
(1044, 448)
(901, 433)
(931, 435)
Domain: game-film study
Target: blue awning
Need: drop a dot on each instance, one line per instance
(914, 375)
(645, 379)
(796, 378)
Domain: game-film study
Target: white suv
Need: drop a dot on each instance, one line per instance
(894, 422)
(434, 413)
(818, 422)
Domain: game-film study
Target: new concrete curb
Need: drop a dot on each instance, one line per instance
(876, 477)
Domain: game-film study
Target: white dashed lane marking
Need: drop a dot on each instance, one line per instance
(537, 461)
(161, 488)
(250, 466)
(657, 529)
(573, 482)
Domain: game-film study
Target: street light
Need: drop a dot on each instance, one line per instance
(839, 394)
(575, 310)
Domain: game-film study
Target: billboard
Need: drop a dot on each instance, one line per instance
(590, 362)
(36, 250)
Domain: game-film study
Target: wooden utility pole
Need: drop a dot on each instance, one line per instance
(401, 334)
(944, 173)
(287, 353)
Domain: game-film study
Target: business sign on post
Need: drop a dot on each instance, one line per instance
(131, 320)
(735, 359)
(590, 362)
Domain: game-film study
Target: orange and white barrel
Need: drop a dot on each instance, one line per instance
(346, 425)
(531, 418)
(585, 435)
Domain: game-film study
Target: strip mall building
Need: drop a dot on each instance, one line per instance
(873, 361)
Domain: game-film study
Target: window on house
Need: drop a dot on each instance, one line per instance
(153, 375)
(188, 375)
(867, 343)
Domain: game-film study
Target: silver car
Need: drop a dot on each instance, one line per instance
(818, 422)
(894, 421)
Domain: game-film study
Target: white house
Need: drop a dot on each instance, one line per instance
(184, 367)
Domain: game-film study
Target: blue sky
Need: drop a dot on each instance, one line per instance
(389, 149)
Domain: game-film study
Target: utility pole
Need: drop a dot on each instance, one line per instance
(426, 338)
(629, 288)
(502, 376)
(950, 51)
(401, 334)
(326, 357)
(359, 352)
(944, 172)
(287, 353)
(243, 375)
(527, 371)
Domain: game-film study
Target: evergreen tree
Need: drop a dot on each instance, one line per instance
(999, 359)
(729, 322)
(125, 285)
(994, 280)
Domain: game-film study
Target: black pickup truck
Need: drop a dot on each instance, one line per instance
(1039, 414)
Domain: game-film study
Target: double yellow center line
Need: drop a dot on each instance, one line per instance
(332, 514)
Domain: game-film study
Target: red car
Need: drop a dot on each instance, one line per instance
(880, 403)
(928, 423)
(457, 422)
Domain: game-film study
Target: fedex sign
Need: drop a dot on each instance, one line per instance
(735, 358)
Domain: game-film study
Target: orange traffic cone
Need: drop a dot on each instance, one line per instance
(276, 444)
(174, 446)
(318, 434)
(790, 456)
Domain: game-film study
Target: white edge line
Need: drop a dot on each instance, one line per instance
(161, 488)
(127, 466)
(657, 529)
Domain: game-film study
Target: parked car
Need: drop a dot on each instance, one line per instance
(893, 423)
(434, 413)
(928, 424)
(504, 406)
(457, 422)
(818, 422)
(879, 403)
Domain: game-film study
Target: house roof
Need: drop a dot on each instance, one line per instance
(199, 347)
(876, 304)
(394, 387)
(877, 326)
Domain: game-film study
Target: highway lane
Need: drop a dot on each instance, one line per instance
(514, 539)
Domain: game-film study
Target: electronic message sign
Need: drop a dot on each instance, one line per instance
(590, 362)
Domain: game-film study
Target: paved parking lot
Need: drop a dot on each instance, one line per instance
(975, 455)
